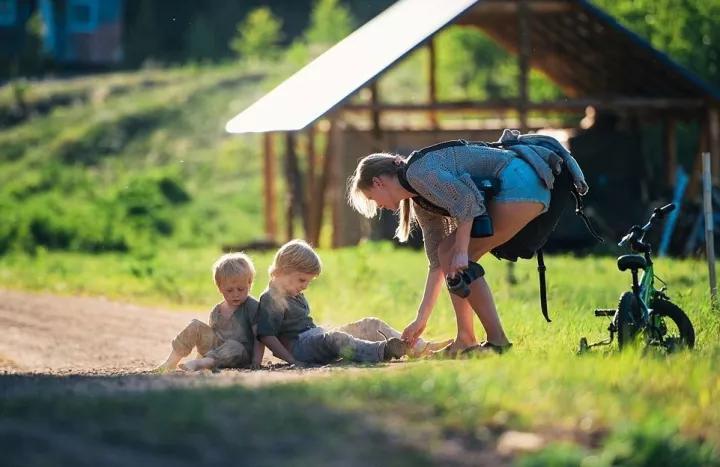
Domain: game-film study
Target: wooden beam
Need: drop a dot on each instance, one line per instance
(670, 149)
(269, 200)
(504, 7)
(564, 105)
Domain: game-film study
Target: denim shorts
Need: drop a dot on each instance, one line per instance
(520, 183)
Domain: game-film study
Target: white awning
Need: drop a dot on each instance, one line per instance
(348, 66)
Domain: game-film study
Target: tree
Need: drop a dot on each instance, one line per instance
(258, 35)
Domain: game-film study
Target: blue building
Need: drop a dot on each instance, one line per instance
(83, 31)
(74, 31)
(14, 15)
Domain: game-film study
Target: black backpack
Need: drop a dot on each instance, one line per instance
(528, 242)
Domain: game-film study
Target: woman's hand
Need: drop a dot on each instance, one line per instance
(413, 331)
(458, 262)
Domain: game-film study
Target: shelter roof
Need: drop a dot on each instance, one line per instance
(577, 45)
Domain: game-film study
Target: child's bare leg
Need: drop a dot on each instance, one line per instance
(196, 334)
(170, 362)
(370, 329)
(205, 363)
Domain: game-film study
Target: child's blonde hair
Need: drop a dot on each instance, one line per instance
(296, 256)
(233, 265)
(369, 167)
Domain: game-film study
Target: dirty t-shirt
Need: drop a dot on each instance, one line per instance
(283, 316)
(237, 326)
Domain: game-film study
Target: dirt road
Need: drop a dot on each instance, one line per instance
(51, 334)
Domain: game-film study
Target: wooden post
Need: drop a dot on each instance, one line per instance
(319, 198)
(670, 146)
(432, 82)
(375, 113)
(269, 187)
(523, 62)
(709, 226)
(296, 195)
(695, 176)
(714, 143)
(333, 183)
(312, 206)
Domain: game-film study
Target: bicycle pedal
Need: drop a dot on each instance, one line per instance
(605, 312)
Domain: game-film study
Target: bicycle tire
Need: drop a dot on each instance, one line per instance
(625, 319)
(669, 310)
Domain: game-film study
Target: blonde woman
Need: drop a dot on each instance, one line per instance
(444, 179)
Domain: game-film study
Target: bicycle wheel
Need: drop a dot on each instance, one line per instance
(626, 319)
(679, 336)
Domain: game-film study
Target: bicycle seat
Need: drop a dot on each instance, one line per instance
(633, 262)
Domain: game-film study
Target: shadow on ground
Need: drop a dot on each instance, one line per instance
(116, 420)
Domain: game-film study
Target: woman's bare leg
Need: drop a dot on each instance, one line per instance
(508, 219)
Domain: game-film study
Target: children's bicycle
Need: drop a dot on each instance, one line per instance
(645, 311)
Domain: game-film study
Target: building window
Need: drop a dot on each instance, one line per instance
(8, 12)
(82, 15)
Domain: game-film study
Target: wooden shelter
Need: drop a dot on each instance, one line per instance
(596, 62)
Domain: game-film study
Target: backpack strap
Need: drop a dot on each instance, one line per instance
(543, 287)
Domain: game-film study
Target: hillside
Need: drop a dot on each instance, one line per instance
(111, 162)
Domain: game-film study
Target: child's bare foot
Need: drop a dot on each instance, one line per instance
(198, 364)
(164, 368)
(428, 348)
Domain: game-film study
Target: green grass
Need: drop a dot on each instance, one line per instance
(615, 400)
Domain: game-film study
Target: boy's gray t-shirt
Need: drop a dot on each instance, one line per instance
(237, 326)
(283, 316)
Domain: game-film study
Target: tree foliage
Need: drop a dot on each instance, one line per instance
(258, 35)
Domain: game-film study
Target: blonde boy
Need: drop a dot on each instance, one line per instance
(285, 324)
(229, 340)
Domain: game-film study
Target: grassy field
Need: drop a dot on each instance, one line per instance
(136, 168)
(599, 409)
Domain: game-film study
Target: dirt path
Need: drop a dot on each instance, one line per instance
(51, 345)
(51, 334)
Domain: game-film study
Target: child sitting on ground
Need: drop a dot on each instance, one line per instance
(229, 341)
(286, 327)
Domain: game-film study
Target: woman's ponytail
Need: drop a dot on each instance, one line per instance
(404, 227)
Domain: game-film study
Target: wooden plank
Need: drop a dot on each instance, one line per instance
(269, 200)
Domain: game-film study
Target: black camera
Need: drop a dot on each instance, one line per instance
(482, 224)
(459, 284)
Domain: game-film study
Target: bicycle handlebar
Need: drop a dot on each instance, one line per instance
(636, 234)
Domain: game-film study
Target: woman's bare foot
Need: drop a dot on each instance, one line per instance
(452, 350)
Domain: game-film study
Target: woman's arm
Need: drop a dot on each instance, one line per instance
(433, 285)
(460, 257)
